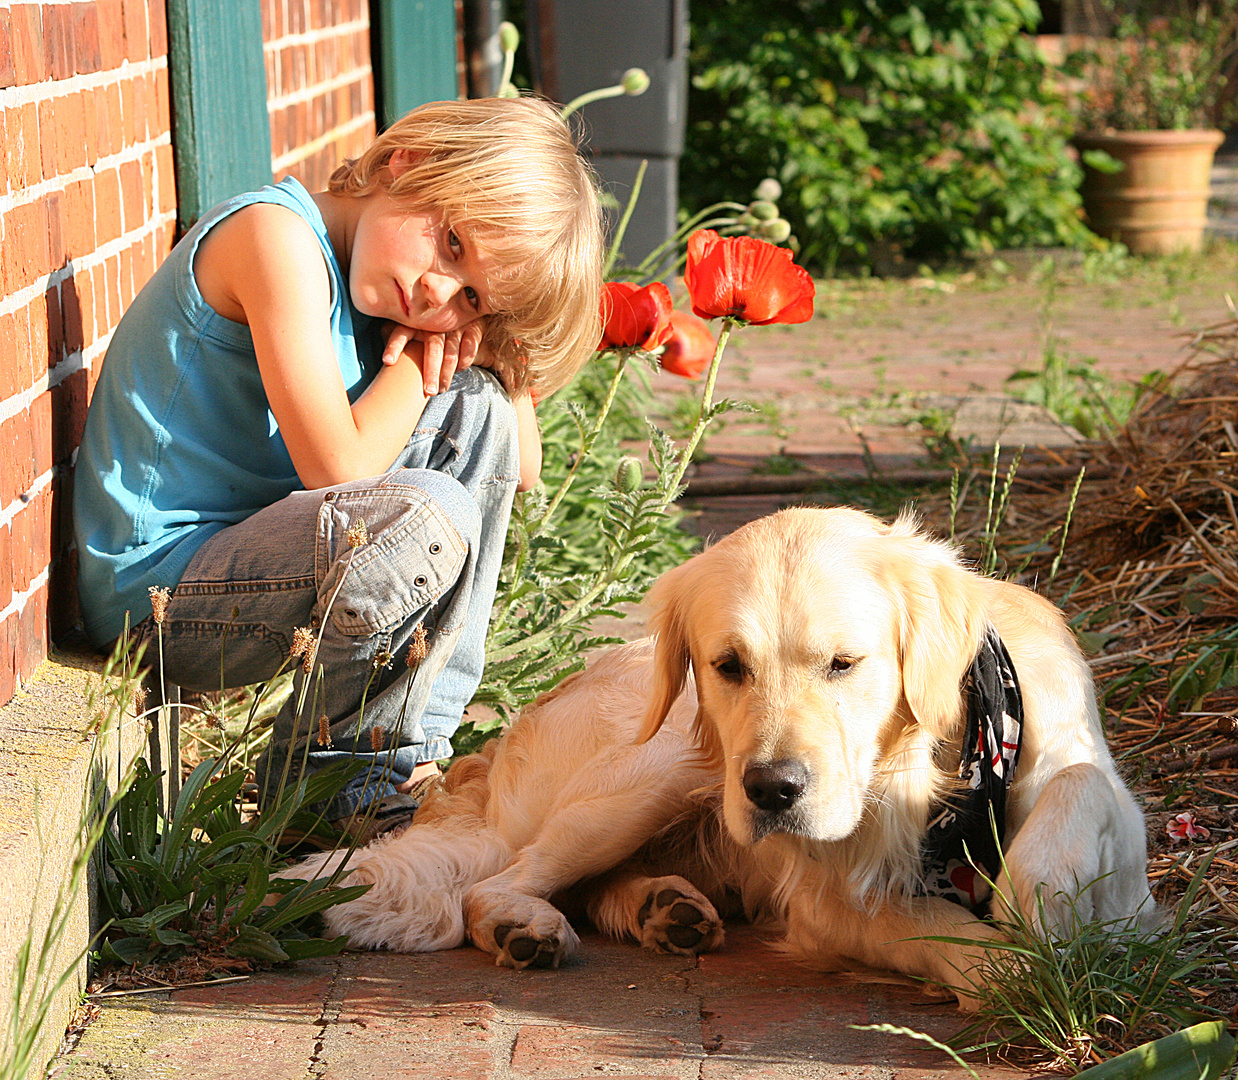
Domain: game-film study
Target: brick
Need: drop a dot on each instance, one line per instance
(25, 245)
(163, 103)
(32, 633)
(165, 179)
(38, 336)
(141, 121)
(127, 291)
(53, 210)
(55, 328)
(157, 32)
(15, 456)
(8, 667)
(71, 132)
(47, 139)
(111, 34)
(8, 75)
(108, 119)
(112, 284)
(27, 27)
(67, 416)
(131, 194)
(128, 130)
(58, 40)
(148, 185)
(86, 52)
(41, 433)
(136, 36)
(89, 112)
(72, 305)
(108, 220)
(6, 559)
(21, 365)
(79, 222)
(8, 350)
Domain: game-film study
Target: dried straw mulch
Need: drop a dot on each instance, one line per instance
(1149, 579)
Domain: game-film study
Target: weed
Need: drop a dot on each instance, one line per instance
(1096, 988)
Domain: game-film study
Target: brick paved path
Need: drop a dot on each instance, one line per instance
(614, 1010)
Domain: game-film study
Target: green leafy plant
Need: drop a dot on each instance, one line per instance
(198, 881)
(1168, 67)
(912, 129)
(1097, 988)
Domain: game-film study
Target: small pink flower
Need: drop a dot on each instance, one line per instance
(1184, 827)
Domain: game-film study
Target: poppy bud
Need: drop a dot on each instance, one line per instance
(634, 82)
(509, 37)
(747, 221)
(769, 189)
(763, 210)
(776, 230)
(628, 475)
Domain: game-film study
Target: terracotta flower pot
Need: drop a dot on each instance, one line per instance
(1158, 202)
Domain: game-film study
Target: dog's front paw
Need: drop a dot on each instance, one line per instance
(522, 946)
(521, 931)
(676, 918)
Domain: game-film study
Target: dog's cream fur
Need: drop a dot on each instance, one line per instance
(816, 640)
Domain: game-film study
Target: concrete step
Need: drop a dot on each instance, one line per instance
(49, 762)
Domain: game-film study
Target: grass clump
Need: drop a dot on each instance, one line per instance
(1070, 999)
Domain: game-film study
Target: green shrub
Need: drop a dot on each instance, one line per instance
(930, 128)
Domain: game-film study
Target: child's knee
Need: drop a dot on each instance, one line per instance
(420, 526)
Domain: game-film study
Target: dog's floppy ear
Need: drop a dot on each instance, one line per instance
(669, 601)
(942, 623)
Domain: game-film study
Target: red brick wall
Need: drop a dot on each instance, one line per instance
(87, 212)
(87, 203)
(320, 86)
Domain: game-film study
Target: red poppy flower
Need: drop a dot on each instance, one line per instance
(742, 277)
(690, 348)
(635, 316)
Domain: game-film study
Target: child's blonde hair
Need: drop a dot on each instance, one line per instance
(506, 172)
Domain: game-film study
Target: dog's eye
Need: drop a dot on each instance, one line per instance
(730, 668)
(840, 664)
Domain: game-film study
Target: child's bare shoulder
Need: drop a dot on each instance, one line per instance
(254, 247)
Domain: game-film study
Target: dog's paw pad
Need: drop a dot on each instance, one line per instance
(519, 950)
(679, 920)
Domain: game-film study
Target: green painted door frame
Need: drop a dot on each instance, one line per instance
(415, 55)
(221, 135)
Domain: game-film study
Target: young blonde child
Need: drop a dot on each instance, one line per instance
(305, 368)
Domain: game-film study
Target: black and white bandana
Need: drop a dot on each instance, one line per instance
(960, 849)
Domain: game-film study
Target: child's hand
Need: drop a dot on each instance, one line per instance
(441, 355)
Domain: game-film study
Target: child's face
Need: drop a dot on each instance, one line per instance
(414, 268)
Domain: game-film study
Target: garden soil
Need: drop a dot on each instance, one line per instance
(873, 402)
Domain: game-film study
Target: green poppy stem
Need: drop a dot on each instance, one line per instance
(592, 95)
(613, 253)
(703, 416)
(586, 443)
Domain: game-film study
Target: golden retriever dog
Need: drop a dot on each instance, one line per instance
(776, 750)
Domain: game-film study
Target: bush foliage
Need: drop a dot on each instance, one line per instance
(929, 127)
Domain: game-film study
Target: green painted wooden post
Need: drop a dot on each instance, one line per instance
(415, 59)
(221, 134)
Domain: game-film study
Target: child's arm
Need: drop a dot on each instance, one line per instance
(263, 266)
(455, 356)
(529, 436)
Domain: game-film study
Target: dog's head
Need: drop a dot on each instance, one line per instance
(828, 651)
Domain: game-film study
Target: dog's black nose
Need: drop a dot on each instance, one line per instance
(775, 787)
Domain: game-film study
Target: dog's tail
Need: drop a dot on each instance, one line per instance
(417, 883)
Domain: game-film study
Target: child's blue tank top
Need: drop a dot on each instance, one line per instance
(180, 441)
